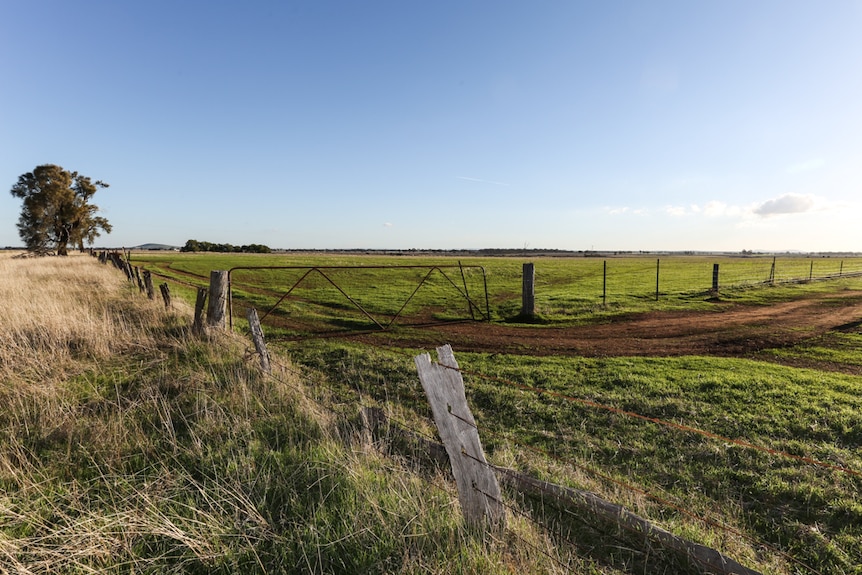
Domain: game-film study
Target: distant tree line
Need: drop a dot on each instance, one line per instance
(197, 246)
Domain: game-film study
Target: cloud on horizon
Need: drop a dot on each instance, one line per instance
(786, 204)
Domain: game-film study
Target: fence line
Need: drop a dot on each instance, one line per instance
(561, 291)
(659, 421)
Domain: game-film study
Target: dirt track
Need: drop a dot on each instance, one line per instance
(730, 330)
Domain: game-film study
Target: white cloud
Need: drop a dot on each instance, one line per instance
(388, 225)
(676, 211)
(786, 204)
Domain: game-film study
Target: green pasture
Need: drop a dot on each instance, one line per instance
(563, 430)
(570, 289)
(771, 511)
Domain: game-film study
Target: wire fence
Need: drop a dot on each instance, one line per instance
(312, 300)
(631, 279)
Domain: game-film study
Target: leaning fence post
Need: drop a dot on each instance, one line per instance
(166, 294)
(148, 283)
(218, 299)
(257, 338)
(478, 490)
(198, 325)
(528, 291)
(140, 281)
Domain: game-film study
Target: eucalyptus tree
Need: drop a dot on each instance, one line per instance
(57, 210)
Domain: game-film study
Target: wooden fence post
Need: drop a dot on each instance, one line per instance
(528, 291)
(657, 265)
(605, 283)
(218, 299)
(715, 279)
(257, 338)
(166, 294)
(478, 490)
(198, 325)
(148, 284)
(140, 281)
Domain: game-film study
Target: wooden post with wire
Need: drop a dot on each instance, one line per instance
(148, 284)
(528, 291)
(198, 325)
(218, 299)
(478, 490)
(166, 294)
(257, 338)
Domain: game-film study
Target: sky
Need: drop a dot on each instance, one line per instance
(718, 125)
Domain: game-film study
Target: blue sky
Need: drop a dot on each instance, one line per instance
(708, 125)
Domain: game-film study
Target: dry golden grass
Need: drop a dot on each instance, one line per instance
(54, 311)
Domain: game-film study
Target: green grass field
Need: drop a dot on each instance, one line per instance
(776, 513)
(567, 289)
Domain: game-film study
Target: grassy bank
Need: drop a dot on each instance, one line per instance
(128, 446)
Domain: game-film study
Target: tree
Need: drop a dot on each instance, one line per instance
(57, 209)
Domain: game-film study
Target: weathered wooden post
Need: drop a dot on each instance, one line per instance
(198, 325)
(811, 271)
(218, 299)
(140, 281)
(478, 490)
(715, 279)
(148, 284)
(528, 291)
(605, 282)
(772, 272)
(657, 264)
(166, 294)
(257, 338)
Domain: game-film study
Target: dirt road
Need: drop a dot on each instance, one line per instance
(729, 330)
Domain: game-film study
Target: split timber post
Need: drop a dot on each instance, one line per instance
(528, 291)
(257, 338)
(715, 279)
(140, 281)
(478, 490)
(148, 284)
(198, 325)
(218, 299)
(657, 264)
(166, 294)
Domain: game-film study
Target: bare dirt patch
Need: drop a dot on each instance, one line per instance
(730, 330)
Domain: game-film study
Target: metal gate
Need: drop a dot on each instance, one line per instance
(449, 274)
